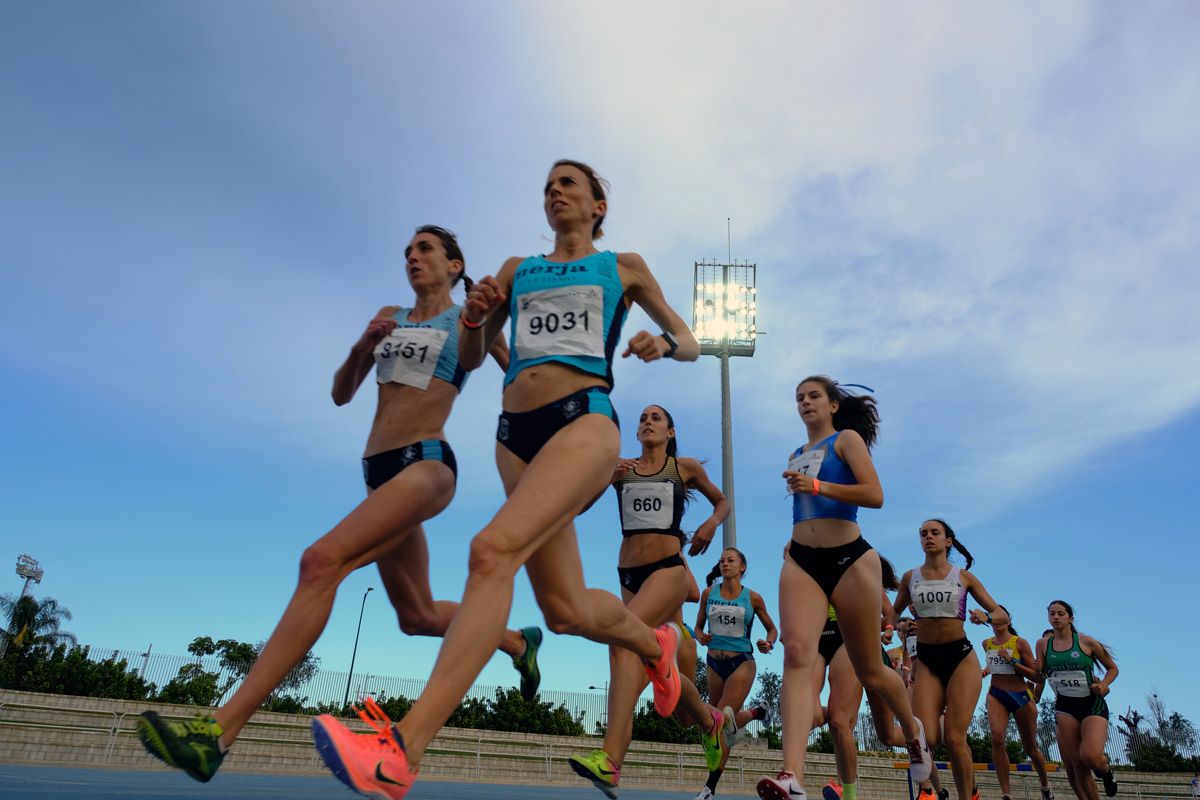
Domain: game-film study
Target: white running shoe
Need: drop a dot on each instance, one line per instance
(782, 787)
(920, 760)
(731, 731)
(705, 794)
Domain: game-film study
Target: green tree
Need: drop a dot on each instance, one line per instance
(196, 685)
(770, 686)
(60, 670)
(1046, 727)
(701, 679)
(648, 726)
(512, 712)
(34, 623)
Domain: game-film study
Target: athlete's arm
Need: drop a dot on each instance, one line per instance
(701, 618)
(696, 477)
(1026, 653)
(867, 493)
(975, 587)
(1039, 664)
(357, 366)
(890, 617)
(1099, 652)
(499, 352)
(486, 303)
(902, 599)
(643, 289)
(760, 610)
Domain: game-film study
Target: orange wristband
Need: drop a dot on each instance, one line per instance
(471, 326)
(816, 486)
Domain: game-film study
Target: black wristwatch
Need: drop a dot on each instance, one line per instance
(672, 345)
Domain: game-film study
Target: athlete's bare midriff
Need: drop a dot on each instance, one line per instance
(825, 532)
(939, 630)
(406, 414)
(646, 548)
(544, 383)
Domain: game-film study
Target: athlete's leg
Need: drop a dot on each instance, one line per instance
(998, 724)
(571, 469)
(1067, 731)
(856, 600)
(1026, 717)
(404, 570)
(962, 696)
(736, 688)
(1093, 735)
(802, 607)
(657, 600)
(845, 697)
(419, 493)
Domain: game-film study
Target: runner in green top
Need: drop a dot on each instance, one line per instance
(1068, 660)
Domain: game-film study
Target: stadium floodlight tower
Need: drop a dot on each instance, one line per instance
(29, 569)
(724, 313)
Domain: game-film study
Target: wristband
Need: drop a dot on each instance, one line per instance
(816, 486)
(471, 326)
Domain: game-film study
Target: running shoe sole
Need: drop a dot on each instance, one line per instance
(148, 723)
(582, 771)
(830, 793)
(768, 790)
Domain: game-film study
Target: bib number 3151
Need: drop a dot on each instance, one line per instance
(409, 356)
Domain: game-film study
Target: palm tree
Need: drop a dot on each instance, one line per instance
(34, 623)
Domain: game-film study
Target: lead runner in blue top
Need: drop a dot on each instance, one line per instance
(557, 444)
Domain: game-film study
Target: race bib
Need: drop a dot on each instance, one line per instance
(910, 643)
(409, 356)
(1071, 683)
(996, 666)
(647, 505)
(807, 463)
(937, 598)
(728, 621)
(564, 321)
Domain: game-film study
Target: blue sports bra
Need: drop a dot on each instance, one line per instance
(415, 352)
(821, 462)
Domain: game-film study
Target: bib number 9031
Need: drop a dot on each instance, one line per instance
(553, 323)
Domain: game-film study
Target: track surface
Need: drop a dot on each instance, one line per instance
(20, 782)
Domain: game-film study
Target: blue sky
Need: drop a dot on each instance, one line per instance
(988, 214)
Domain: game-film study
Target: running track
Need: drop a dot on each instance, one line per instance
(20, 782)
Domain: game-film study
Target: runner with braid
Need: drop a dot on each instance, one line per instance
(410, 474)
(652, 491)
(728, 610)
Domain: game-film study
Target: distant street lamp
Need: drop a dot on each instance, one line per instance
(353, 655)
(724, 318)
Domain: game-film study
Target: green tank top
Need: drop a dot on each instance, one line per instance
(1070, 672)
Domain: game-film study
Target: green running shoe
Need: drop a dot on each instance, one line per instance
(598, 768)
(527, 664)
(715, 747)
(190, 746)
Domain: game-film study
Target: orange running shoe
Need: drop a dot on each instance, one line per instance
(975, 793)
(832, 790)
(664, 676)
(373, 764)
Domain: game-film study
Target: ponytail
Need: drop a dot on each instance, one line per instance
(890, 581)
(857, 412)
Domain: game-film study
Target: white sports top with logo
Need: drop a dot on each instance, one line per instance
(944, 598)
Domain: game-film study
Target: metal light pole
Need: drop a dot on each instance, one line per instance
(29, 569)
(354, 655)
(724, 313)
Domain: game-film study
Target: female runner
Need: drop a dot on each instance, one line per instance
(655, 581)
(410, 474)
(557, 442)
(846, 693)
(1010, 662)
(1068, 660)
(948, 677)
(729, 609)
(829, 563)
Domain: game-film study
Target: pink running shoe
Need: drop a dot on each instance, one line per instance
(373, 764)
(664, 676)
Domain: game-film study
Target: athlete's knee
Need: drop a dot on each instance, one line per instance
(875, 678)
(956, 740)
(420, 622)
(999, 739)
(490, 559)
(321, 566)
(1092, 758)
(840, 727)
(797, 657)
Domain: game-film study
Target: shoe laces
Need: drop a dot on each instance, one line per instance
(378, 719)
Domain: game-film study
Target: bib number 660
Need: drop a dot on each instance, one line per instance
(647, 504)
